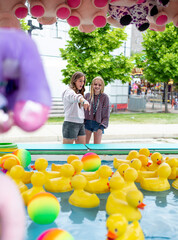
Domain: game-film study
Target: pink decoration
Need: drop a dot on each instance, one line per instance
(11, 206)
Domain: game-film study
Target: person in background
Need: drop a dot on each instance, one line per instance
(130, 89)
(73, 128)
(97, 118)
(139, 91)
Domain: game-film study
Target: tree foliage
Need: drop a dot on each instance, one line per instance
(161, 52)
(91, 53)
(139, 59)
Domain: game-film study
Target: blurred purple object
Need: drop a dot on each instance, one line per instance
(22, 82)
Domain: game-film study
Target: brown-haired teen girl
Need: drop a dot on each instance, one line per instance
(74, 104)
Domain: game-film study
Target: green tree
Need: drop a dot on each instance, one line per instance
(161, 52)
(139, 59)
(91, 53)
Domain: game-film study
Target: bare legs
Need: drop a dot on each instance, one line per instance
(79, 140)
(97, 136)
(88, 135)
(68, 141)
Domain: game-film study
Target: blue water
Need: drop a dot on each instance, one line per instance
(158, 222)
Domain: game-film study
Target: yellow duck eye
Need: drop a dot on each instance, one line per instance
(115, 230)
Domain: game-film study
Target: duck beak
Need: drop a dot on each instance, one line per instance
(148, 164)
(141, 205)
(159, 162)
(108, 185)
(111, 236)
(33, 167)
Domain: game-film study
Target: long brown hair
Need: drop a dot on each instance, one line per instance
(74, 78)
(92, 84)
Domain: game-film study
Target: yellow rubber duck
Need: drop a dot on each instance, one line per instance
(144, 151)
(57, 167)
(117, 162)
(16, 173)
(133, 154)
(12, 160)
(126, 204)
(116, 183)
(27, 177)
(173, 163)
(41, 165)
(71, 158)
(63, 183)
(121, 169)
(91, 175)
(81, 198)
(175, 182)
(8, 161)
(146, 162)
(157, 159)
(78, 166)
(130, 175)
(159, 183)
(100, 185)
(137, 165)
(146, 174)
(38, 180)
(119, 229)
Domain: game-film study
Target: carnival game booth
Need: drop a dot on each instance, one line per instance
(82, 190)
(39, 203)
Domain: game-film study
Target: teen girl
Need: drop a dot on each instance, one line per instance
(97, 118)
(73, 129)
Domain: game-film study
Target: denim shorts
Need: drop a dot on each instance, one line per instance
(71, 130)
(93, 126)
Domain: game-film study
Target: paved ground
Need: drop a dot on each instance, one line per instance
(114, 134)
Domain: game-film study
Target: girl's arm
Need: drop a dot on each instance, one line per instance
(72, 97)
(105, 113)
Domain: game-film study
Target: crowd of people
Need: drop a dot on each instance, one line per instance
(84, 114)
(140, 88)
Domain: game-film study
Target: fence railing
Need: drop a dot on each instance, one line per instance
(154, 102)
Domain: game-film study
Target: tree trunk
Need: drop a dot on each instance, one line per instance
(165, 99)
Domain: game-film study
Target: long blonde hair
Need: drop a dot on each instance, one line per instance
(92, 84)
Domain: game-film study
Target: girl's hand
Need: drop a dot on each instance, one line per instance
(86, 105)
